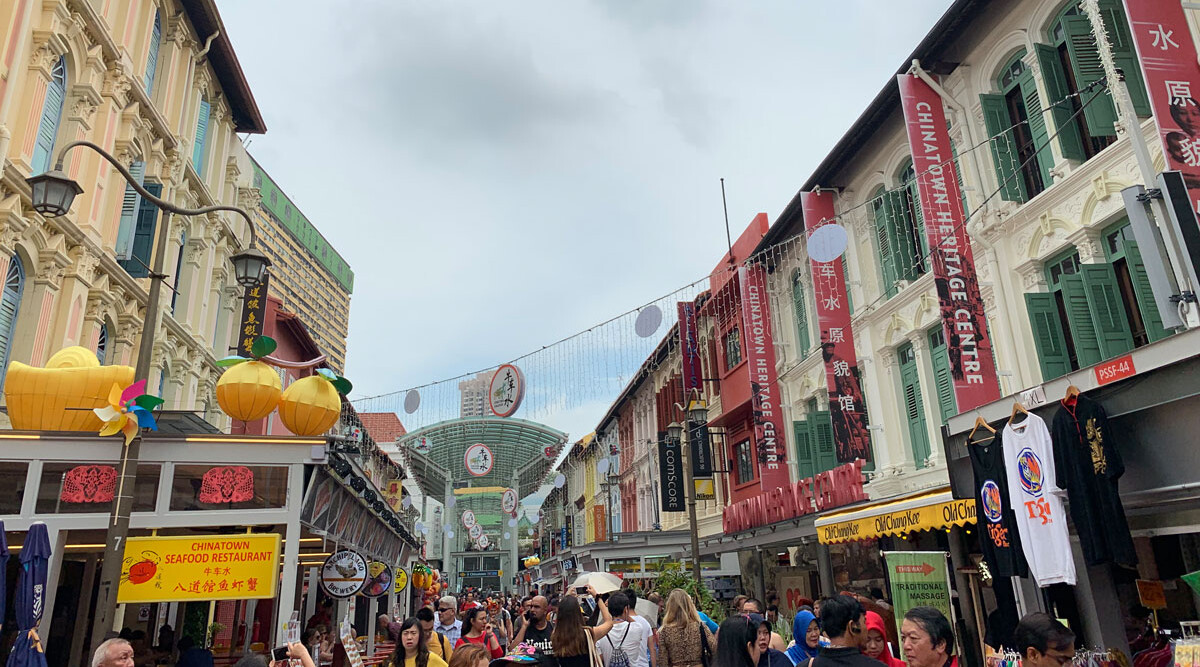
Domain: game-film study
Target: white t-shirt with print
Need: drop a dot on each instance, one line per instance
(1037, 501)
(631, 638)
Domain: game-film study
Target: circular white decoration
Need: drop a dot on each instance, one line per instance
(478, 459)
(475, 531)
(468, 519)
(827, 242)
(507, 535)
(343, 574)
(451, 501)
(602, 466)
(508, 501)
(506, 390)
(648, 321)
(512, 523)
(419, 527)
(424, 530)
(412, 401)
(483, 541)
(445, 527)
(560, 480)
(450, 534)
(406, 502)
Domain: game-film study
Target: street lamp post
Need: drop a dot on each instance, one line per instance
(697, 414)
(52, 194)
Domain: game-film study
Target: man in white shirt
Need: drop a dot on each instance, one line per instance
(447, 623)
(627, 635)
(647, 626)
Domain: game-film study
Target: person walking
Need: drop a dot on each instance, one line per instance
(471, 655)
(876, 644)
(683, 641)
(412, 650)
(537, 629)
(807, 634)
(447, 622)
(1042, 641)
(927, 638)
(844, 621)
(475, 622)
(574, 642)
(753, 606)
(768, 657)
(625, 644)
(438, 644)
(737, 643)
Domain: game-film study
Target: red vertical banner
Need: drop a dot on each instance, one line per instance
(1168, 59)
(963, 320)
(764, 386)
(689, 347)
(847, 408)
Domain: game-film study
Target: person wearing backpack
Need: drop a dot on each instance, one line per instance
(625, 644)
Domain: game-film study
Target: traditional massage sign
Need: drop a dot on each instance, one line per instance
(965, 325)
(918, 579)
(207, 567)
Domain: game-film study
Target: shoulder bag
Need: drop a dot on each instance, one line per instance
(705, 656)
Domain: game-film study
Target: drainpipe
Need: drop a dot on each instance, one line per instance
(975, 231)
(207, 44)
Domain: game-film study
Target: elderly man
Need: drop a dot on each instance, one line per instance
(113, 653)
(447, 623)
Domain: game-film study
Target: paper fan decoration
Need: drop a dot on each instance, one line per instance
(128, 410)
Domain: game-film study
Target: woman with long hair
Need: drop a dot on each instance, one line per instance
(807, 634)
(737, 643)
(412, 650)
(471, 655)
(683, 640)
(573, 641)
(475, 631)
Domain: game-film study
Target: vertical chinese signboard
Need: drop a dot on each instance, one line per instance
(764, 389)
(254, 311)
(600, 520)
(847, 408)
(964, 323)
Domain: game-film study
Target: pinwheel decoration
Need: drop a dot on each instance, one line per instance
(128, 410)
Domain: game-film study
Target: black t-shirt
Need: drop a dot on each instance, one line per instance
(998, 536)
(540, 638)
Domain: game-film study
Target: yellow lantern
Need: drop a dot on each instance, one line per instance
(310, 406)
(61, 396)
(249, 390)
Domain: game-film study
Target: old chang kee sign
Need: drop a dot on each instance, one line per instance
(834, 488)
(207, 567)
(764, 391)
(963, 320)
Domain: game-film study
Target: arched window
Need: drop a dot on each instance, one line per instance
(102, 344)
(52, 107)
(152, 56)
(1017, 130)
(911, 225)
(10, 305)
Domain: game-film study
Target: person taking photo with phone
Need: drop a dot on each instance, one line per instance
(574, 642)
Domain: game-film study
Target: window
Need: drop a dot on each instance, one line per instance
(152, 56)
(743, 458)
(1137, 296)
(910, 225)
(102, 344)
(914, 410)
(733, 348)
(803, 341)
(1017, 132)
(943, 381)
(52, 107)
(141, 244)
(129, 211)
(49, 496)
(179, 270)
(883, 242)
(269, 489)
(10, 307)
(815, 452)
(198, 148)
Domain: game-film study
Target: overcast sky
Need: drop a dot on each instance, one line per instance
(500, 175)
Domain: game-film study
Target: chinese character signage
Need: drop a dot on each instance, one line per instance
(847, 409)
(764, 389)
(600, 521)
(1168, 59)
(670, 469)
(254, 310)
(506, 390)
(689, 346)
(478, 459)
(191, 569)
(963, 321)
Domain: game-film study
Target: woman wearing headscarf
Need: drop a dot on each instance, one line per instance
(876, 645)
(807, 636)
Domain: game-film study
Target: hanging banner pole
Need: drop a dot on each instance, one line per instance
(964, 322)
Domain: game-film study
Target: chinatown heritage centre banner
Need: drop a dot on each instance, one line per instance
(847, 409)
(963, 320)
(918, 578)
(764, 387)
(1168, 59)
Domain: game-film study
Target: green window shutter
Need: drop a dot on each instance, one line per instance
(1145, 294)
(918, 224)
(914, 412)
(1124, 54)
(1057, 88)
(846, 280)
(1079, 320)
(129, 209)
(201, 136)
(820, 438)
(1048, 335)
(940, 358)
(1004, 149)
(143, 236)
(804, 457)
(883, 244)
(904, 254)
(1099, 114)
(152, 56)
(1037, 125)
(1107, 309)
(962, 191)
(802, 339)
(52, 108)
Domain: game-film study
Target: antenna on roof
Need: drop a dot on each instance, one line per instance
(725, 205)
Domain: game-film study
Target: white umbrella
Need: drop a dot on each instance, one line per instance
(603, 582)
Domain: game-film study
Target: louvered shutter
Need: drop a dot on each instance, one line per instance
(820, 431)
(129, 208)
(56, 93)
(887, 261)
(940, 358)
(846, 280)
(958, 176)
(1125, 54)
(804, 457)
(1144, 293)
(1099, 114)
(1079, 321)
(152, 56)
(1057, 88)
(802, 339)
(1004, 149)
(10, 305)
(201, 137)
(143, 237)
(1048, 335)
(905, 254)
(914, 411)
(918, 226)
(1037, 126)
(1107, 308)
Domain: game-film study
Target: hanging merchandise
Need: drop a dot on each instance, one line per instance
(998, 539)
(1089, 465)
(1029, 459)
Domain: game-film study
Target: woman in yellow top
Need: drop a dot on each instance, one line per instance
(413, 648)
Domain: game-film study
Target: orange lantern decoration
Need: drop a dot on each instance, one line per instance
(249, 389)
(312, 405)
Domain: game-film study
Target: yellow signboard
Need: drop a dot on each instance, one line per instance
(705, 489)
(209, 567)
(401, 579)
(930, 517)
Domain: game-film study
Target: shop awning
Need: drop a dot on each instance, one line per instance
(927, 510)
(549, 581)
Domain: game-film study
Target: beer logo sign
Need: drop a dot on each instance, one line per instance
(1029, 470)
(344, 574)
(989, 496)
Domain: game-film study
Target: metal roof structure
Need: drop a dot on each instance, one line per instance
(523, 455)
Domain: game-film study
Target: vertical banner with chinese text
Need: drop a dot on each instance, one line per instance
(764, 389)
(963, 320)
(254, 310)
(847, 408)
(1168, 59)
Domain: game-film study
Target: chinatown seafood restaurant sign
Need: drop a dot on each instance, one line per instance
(206, 567)
(834, 488)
